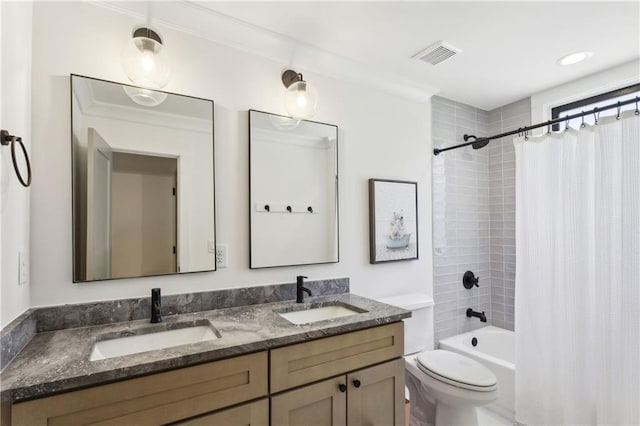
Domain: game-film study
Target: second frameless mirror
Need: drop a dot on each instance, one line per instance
(143, 182)
(293, 191)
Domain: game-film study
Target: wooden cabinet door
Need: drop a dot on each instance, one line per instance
(376, 395)
(320, 404)
(250, 414)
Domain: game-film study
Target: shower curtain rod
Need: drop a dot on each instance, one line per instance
(481, 142)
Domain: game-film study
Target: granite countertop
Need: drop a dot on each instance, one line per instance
(58, 361)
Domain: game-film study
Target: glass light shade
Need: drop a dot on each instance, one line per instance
(283, 123)
(301, 100)
(145, 97)
(146, 62)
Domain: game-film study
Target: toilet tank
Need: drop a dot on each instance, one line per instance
(418, 330)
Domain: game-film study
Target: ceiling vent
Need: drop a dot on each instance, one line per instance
(436, 53)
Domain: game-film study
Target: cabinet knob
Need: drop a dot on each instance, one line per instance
(356, 383)
(342, 387)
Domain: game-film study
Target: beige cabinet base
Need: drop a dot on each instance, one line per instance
(250, 414)
(152, 400)
(372, 396)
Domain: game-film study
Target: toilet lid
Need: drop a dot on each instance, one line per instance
(457, 370)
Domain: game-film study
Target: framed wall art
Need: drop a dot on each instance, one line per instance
(393, 220)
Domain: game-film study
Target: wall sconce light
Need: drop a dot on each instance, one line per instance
(301, 98)
(145, 60)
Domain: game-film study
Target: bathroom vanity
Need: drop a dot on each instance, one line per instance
(260, 369)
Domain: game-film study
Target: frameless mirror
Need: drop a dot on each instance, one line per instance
(143, 181)
(293, 192)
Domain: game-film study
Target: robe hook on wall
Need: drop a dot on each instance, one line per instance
(8, 139)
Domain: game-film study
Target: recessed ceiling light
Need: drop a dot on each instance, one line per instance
(574, 58)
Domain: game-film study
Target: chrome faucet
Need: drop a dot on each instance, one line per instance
(156, 304)
(472, 313)
(300, 289)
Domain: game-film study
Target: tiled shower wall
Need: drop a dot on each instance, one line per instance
(474, 215)
(502, 204)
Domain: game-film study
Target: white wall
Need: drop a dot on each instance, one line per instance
(381, 135)
(15, 100)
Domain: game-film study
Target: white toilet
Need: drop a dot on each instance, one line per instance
(454, 383)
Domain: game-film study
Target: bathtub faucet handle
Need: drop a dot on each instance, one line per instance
(469, 280)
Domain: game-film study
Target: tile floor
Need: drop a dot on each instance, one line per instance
(489, 418)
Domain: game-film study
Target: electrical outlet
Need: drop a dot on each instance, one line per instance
(221, 255)
(23, 268)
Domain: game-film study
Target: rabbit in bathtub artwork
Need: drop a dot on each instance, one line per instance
(393, 220)
(397, 236)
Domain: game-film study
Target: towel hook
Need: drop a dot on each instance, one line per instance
(5, 139)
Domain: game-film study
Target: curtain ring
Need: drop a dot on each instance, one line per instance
(548, 129)
(595, 116)
(566, 123)
(619, 108)
(582, 125)
(526, 135)
(637, 111)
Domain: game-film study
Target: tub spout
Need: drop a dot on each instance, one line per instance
(481, 315)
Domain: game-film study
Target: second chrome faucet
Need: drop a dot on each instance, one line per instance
(300, 289)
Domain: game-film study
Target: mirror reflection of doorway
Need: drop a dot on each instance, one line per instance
(143, 215)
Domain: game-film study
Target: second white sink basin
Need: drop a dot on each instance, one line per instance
(150, 340)
(320, 313)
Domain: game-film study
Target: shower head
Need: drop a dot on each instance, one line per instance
(481, 143)
(477, 142)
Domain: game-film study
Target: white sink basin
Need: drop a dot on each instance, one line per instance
(151, 341)
(320, 313)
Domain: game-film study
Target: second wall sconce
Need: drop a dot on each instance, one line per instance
(145, 60)
(301, 98)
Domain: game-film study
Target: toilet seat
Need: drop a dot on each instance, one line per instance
(457, 370)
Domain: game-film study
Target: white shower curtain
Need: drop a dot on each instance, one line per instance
(577, 310)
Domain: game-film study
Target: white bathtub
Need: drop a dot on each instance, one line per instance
(495, 348)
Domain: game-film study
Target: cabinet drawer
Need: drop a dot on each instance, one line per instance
(250, 414)
(155, 399)
(318, 359)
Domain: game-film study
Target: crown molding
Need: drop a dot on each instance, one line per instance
(198, 20)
